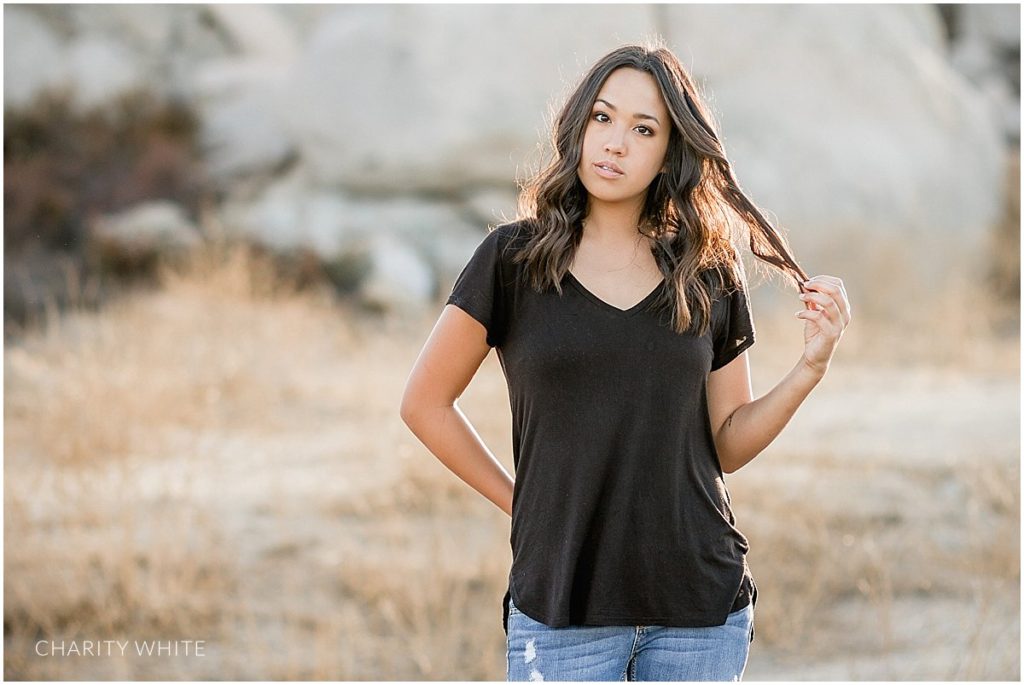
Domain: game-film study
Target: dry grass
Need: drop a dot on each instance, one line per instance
(222, 459)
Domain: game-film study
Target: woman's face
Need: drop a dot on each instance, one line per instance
(629, 128)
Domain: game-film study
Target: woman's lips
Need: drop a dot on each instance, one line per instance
(606, 172)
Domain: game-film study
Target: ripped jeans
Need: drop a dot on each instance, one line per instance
(536, 651)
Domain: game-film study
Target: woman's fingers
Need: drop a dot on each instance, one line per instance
(829, 293)
(821, 318)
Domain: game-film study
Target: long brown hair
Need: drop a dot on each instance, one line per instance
(687, 207)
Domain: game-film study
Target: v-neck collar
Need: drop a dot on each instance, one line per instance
(605, 305)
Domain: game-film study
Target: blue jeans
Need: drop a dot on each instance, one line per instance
(536, 651)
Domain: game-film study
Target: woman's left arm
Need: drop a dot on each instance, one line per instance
(743, 427)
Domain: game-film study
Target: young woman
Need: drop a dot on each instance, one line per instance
(617, 303)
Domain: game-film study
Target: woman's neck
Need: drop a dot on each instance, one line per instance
(611, 223)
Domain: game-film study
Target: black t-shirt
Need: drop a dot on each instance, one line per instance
(620, 513)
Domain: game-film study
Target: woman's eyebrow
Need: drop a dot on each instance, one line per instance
(635, 116)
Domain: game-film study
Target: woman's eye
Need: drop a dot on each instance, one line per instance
(643, 129)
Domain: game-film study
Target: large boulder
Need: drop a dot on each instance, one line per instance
(847, 122)
(453, 95)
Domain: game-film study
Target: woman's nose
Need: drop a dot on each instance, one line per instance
(615, 143)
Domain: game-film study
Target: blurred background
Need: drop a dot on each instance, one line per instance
(229, 229)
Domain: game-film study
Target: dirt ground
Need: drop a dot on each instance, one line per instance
(199, 463)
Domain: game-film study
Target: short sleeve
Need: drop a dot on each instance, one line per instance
(735, 331)
(478, 289)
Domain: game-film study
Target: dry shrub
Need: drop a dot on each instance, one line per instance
(62, 167)
(430, 593)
